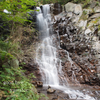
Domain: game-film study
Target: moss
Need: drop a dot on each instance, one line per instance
(84, 16)
(99, 27)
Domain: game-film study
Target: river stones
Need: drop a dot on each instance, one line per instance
(50, 90)
(37, 83)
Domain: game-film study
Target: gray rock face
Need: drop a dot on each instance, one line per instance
(79, 45)
(69, 7)
(97, 9)
(79, 37)
(95, 16)
(73, 10)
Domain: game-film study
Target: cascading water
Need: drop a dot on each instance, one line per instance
(48, 62)
(46, 57)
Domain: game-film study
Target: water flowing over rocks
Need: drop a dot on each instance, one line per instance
(77, 42)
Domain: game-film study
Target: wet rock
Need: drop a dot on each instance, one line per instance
(54, 98)
(39, 84)
(57, 9)
(38, 73)
(34, 83)
(50, 90)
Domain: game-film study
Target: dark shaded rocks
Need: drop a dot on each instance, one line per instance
(57, 9)
(31, 66)
(37, 83)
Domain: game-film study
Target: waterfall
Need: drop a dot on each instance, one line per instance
(46, 57)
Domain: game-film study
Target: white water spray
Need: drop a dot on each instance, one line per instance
(47, 60)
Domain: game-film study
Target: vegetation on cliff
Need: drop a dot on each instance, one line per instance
(15, 31)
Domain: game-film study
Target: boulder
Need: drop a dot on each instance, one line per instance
(69, 7)
(50, 90)
(39, 84)
(97, 9)
(76, 9)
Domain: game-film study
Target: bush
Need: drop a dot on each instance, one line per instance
(16, 89)
(17, 9)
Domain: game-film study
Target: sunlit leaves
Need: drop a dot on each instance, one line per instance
(16, 9)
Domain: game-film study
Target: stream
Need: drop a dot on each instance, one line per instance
(50, 64)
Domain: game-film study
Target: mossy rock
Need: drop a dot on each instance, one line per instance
(94, 22)
(84, 17)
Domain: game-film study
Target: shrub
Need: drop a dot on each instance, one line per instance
(17, 9)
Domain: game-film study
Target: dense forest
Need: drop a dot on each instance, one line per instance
(18, 37)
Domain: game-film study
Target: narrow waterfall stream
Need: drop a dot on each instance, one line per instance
(48, 61)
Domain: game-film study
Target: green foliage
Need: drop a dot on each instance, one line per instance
(23, 63)
(53, 1)
(16, 90)
(17, 9)
(7, 46)
(85, 2)
(81, 1)
(12, 79)
(99, 27)
(4, 56)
